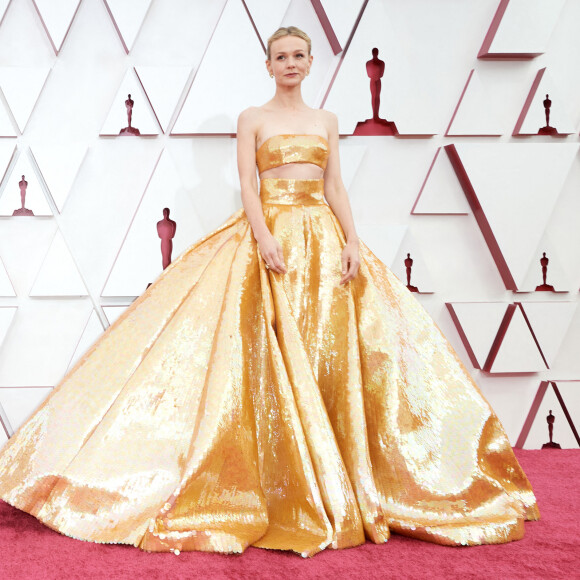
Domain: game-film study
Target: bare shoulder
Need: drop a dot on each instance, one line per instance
(328, 115)
(329, 120)
(249, 117)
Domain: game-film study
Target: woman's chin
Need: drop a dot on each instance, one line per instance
(291, 81)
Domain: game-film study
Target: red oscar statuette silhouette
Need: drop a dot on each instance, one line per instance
(408, 266)
(376, 125)
(547, 130)
(551, 445)
(129, 130)
(23, 184)
(544, 287)
(166, 231)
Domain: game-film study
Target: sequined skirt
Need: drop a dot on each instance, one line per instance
(231, 406)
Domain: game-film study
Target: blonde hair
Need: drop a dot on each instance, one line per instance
(288, 31)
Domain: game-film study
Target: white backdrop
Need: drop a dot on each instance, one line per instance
(464, 84)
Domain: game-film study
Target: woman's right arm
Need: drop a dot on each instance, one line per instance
(270, 249)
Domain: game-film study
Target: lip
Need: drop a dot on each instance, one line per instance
(290, 74)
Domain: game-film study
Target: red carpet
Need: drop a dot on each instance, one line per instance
(550, 548)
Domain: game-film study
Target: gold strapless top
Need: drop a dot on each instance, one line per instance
(282, 149)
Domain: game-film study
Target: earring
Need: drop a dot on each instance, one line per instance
(271, 76)
(307, 72)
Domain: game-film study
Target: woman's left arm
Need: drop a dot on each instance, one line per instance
(337, 197)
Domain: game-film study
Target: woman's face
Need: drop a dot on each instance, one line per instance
(289, 60)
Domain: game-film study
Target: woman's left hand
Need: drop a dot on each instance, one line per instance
(350, 261)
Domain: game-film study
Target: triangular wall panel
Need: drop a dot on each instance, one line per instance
(518, 352)
(6, 287)
(10, 198)
(57, 17)
(128, 17)
(41, 340)
(521, 29)
(21, 87)
(142, 116)
(58, 275)
(163, 86)
(8, 156)
(23, 245)
(557, 275)
(441, 192)
(6, 124)
(533, 116)
(512, 191)
(478, 324)
(351, 156)
(562, 398)
(139, 260)
(267, 16)
(475, 113)
(549, 322)
(59, 165)
(6, 317)
(342, 16)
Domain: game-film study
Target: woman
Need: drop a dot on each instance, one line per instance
(266, 391)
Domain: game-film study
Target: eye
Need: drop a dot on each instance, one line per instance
(279, 57)
(299, 54)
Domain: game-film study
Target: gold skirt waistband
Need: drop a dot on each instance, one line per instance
(281, 191)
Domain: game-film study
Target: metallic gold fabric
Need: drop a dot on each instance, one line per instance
(232, 406)
(282, 149)
(276, 191)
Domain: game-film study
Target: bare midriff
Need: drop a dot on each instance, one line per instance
(294, 171)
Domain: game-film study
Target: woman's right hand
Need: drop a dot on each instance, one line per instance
(271, 252)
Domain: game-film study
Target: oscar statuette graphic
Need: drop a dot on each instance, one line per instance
(129, 129)
(547, 130)
(408, 267)
(551, 445)
(544, 287)
(166, 231)
(23, 184)
(375, 126)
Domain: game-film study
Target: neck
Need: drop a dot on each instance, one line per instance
(289, 97)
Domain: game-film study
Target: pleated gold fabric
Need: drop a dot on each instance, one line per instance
(232, 406)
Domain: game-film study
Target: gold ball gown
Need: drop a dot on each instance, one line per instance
(231, 406)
